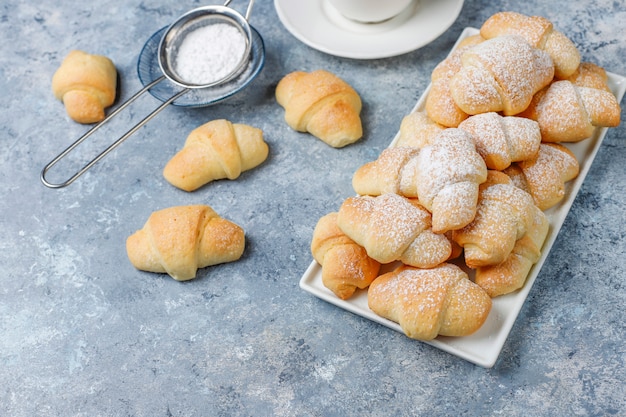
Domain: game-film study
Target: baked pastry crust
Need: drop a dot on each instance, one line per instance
(566, 112)
(501, 74)
(448, 173)
(393, 228)
(179, 240)
(216, 150)
(322, 104)
(501, 140)
(86, 84)
(540, 33)
(430, 302)
(346, 266)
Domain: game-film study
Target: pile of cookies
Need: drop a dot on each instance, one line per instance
(466, 185)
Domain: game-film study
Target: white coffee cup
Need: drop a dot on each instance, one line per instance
(370, 11)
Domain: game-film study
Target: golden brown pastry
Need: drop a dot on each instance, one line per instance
(567, 113)
(86, 84)
(440, 105)
(504, 214)
(540, 33)
(345, 264)
(511, 274)
(393, 228)
(501, 140)
(447, 177)
(544, 177)
(430, 302)
(590, 75)
(216, 150)
(500, 74)
(179, 240)
(417, 130)
(322, 104)
(393, 172)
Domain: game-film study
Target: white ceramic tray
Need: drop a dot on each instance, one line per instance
(483, 347)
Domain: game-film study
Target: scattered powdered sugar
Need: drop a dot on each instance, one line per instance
(455, 206)
(507, 64)
(408, 181)
(385, 225)
(503, 216)
(388, 172)
(422, 289)
(394, 223)
(353, 265)
(534, 29)
(451, 159)
(519, 69)
(524, 137)
(557, 156)
(427, 302)
(450, 65)
(546, 175)
(210, 53)
(475, 90)
(489, 137)
(491, 235)
(427, 250)
(501, 140)
(561, 113)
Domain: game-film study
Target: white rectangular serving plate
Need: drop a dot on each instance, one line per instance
(483, 347)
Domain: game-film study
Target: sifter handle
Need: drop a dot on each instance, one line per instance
(114, 144)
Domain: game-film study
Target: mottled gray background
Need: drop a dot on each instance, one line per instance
(82, 333)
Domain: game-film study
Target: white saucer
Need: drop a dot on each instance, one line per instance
(317, 24)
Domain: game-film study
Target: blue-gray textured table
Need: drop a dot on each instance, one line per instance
(82, 333)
